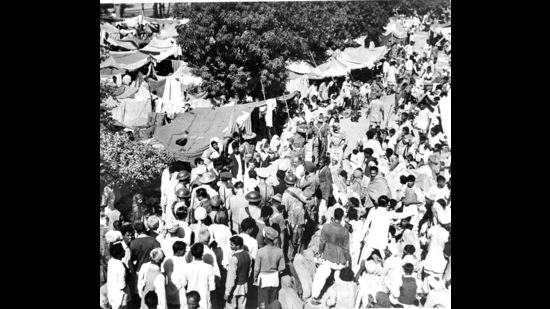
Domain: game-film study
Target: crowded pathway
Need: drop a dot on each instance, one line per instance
(332, 213)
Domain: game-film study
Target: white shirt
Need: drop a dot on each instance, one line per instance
(176, 276)
(159, 284)
(299, 173)
(166, 245)
(199, 276)
(435, 193)
(391, 73)
(116, 283)
(409, 65)
(250, 243)
(375, 146)
(385, 67)
(436, 139)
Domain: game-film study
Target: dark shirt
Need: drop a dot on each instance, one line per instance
(280, 188)
(334, 243)
(140, 248)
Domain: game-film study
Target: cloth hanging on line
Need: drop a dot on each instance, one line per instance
(176, 64)
(271, 104)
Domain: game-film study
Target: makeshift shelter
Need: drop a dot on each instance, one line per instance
(161, 48)
(333, 68)
(394, 31)
(130, 61)
(131, 112)
(197, 127)
(365, 57)
(183, 73)
(169, 31)
(134, 40)
(188, 136)
(109, 67)
(122, 44)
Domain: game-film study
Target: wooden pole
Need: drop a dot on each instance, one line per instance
(312, 58)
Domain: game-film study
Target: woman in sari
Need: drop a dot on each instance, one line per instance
(288, 297)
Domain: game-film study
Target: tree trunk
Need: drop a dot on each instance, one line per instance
(168, 11)
(155, 11)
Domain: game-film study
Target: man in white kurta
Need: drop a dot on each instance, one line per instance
(199, 276)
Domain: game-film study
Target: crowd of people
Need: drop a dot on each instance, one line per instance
(306, 219)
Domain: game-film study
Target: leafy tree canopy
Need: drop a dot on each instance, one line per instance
(234, 46)
(125, 163)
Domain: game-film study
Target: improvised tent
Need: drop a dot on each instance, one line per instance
(134, 40)
(131, 60)
(333, 68)
(394, 31)
(201, 124)
(302, 67)
(109, 67)
(161, 48)
(198, 127)
(183, 73)
(366, 57)
(122, 44)
(170, 31)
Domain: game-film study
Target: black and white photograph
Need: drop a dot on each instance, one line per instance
(275, 155)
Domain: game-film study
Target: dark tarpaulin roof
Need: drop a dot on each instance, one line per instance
(202, 124)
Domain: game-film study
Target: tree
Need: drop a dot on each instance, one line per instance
(155, 11)
(422, 7)
(126, 164)
(237, 46)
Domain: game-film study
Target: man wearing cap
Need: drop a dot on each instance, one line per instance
(182, 195)
(237, 162)
(197, 172)
(208, 183)
(249, 146)
(266, 190)
(338, 143)
(298, 141)
(236, 287)
(253, 208)
(376, 112)
(172, 228)
(290, 195)
(226, 187)
(325, 184)
(334, 250)
(213, 151)
(234, 204)
(182, 178)
(309, 185)
(269, 262)
(319, 139)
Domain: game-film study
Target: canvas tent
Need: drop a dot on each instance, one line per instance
(122, 44)
(201, 124)
(365, 57)
(161, 48)
(109, 67)
(131, 60)
(394, 31)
